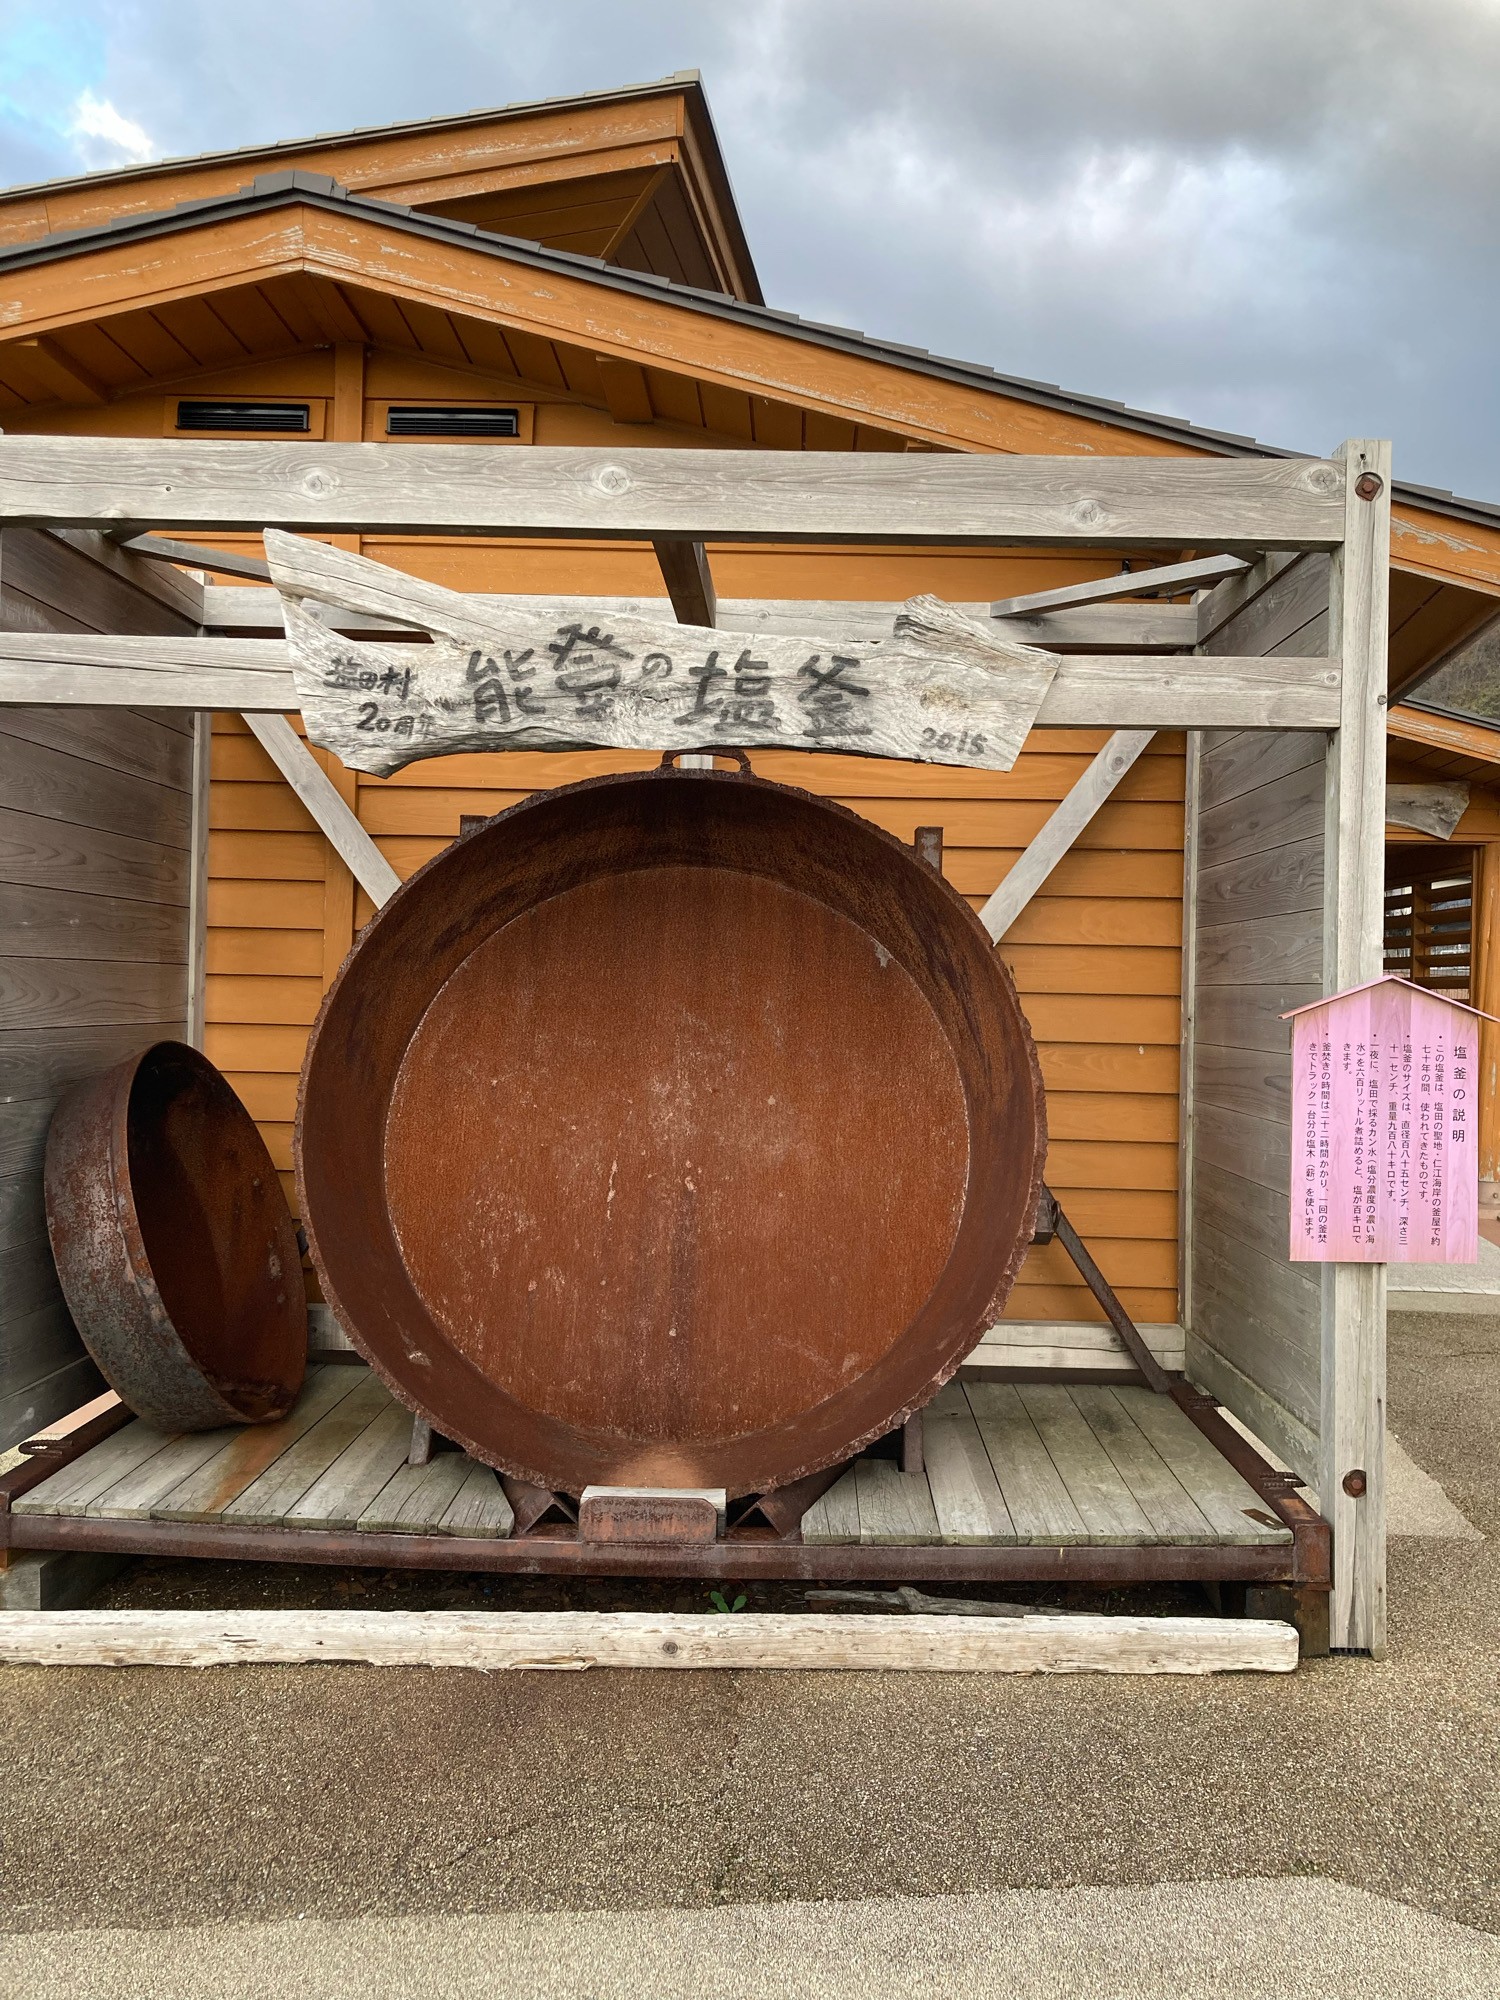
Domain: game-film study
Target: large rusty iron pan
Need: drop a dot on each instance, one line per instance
(174, 1244)
(672, 1129)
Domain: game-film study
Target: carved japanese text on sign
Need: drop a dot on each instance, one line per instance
(941, 689)
(1384, 1128)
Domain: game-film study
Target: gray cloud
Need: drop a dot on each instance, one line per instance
(1272, 217)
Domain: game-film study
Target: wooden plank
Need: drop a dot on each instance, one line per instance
(491, 1641)
(1225, 1500)
(53, 785)
(1352, 1419)
(157, 548)
(1173, 579)
(942, 688)
(1287, 812)
(1174, 1515)
(338, 1497)
(80, 993)
(710, 495)
(1245, 760)
(88, 580)
(54, 854)
(1273, 883)
(1090, 691)
(1104, 1501)
(478, 1508)
(70, 1489)
(894, 1506)
(1039, 1504)
(267, 1500)
(1062, 829)
(142, 746)
(1281, 950)
(689, 580)
(1435, 808)
(416, 1498)
(834, 1517)
(1250, 1017)
(326, 803)
(1165, 1340)
(204, 1494)
(58, 923)
(966, 1497)
(135, 1496)
(1263, 609)
(1247, 1083)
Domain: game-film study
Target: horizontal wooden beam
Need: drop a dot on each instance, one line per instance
(913, 497)
(1173, 579)
(1435, 809)
(1090, 691)
(490, 1641)
(1092, 628)
(67, 376)
(1445, 732)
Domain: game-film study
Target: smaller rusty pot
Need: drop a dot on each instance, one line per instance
(174, 1244)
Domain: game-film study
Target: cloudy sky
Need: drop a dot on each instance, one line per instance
(1273, 216)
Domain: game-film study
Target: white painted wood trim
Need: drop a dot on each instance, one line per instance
(211, 485)
(1352, 1426)
(1174, 578)
(1060, 831)
(323, 800)
(563, 1640)
(197, 937)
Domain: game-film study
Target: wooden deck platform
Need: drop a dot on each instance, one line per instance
(1008, 1465)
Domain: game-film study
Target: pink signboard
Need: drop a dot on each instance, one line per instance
(1384, 1128)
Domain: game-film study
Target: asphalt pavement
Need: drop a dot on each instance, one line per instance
(342, 1830)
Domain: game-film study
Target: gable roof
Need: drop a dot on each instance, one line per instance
(599, 150)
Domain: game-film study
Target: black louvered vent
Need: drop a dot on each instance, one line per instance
(243, 417)
(1429, 919)
(449, 420)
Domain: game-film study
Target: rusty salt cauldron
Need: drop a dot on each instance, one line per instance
(672, 1129)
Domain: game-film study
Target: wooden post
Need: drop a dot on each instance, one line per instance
(197, 943)
(1351, 1485)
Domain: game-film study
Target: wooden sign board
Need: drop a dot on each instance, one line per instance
(942, 689)
(1385, 1128)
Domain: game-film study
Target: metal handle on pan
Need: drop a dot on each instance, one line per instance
(669, 757)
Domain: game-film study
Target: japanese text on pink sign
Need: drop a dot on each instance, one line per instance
(1384, 1164)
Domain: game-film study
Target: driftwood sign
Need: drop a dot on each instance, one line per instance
(942, 689)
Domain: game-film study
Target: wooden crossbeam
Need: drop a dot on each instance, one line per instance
(324, 801)
(199, 484)
(157, 548)
(1090, 690)
(689, 580)
(1173, 579)
(1091, 628)
(1062, 829)
(66, 374)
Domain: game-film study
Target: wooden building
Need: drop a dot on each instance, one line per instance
(574, 274)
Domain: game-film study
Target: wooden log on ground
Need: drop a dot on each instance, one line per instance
(552, 1640)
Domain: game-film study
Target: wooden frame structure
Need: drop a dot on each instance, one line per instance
(1282, 696)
